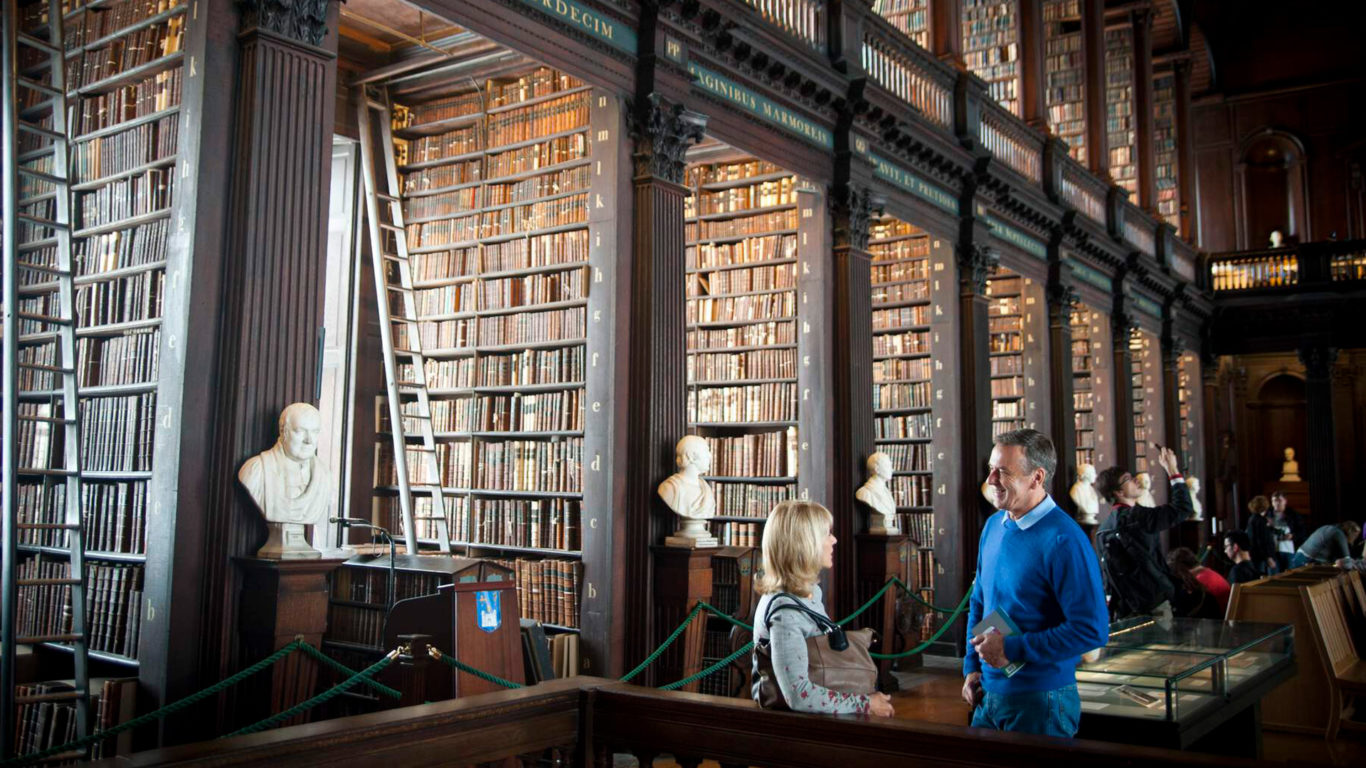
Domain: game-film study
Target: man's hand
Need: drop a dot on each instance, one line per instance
(972, 689)
(880, 705)
(1166, 458)
(992, 648)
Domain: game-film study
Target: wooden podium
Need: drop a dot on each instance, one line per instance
(880, 557)
(682, 578)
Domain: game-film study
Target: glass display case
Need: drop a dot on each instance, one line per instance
(1180, 670)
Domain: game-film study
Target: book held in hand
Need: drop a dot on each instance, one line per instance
(998, 621)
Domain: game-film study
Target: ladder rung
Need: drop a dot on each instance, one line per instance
(371, 103)
(391, 257)
(420, 448)
(48, 582)
(48, 368)
(410, 384)
(49, 178)
(36, 245)
(40, 289)
(40, 221)
(40, 267)
(43, 336)
(49, 319)
(34, 154)
(34, 42)
(40, 131)
(429, 517)
(48, 639)
(47, 472)
(400, 319)
(390, 227)
(34, 85)
(47, 526)
(46, 419)
(398, 288)
(41, 697)
(387, 198)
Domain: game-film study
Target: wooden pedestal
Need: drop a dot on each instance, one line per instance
(880, 557)
(682, 578)
(279, 600)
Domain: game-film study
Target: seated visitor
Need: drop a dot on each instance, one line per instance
(1037, 576)
(1239, 550)
(1261, 535)
(797, 544)
(1328, 544)
(1130, 551)
(1200, 592)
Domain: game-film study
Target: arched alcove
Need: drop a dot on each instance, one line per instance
(1272, 191)
(1278, 422)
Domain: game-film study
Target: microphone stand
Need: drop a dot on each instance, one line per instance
(355, 522)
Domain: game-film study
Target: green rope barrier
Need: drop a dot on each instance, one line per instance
(321, 698)
(667, 642)
(718, 665)
(345, 670)
(918, 598)
(962, 607)
(718, 613)
(463, 667)
(171, 708)
(868, 604)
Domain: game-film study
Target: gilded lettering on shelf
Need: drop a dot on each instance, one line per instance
(914, 184)
(760, 106)
(589, 21)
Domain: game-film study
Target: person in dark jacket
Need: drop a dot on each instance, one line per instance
(1236, 547)
(1289, 527)
(1262, 535)
(1135, 570)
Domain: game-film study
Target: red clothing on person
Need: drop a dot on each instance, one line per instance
(1216, 585)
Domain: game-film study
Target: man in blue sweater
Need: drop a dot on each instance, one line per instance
(1036, 566)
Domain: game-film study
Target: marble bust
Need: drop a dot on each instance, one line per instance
(1084, 495)
(1145, 490)
(1276, 239)
(1290, 470)
(875, 493)
(1193, 483)
(289, 484)
(689, 496)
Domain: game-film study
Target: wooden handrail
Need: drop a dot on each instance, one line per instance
(1081, 190)
(894, 62)
(1011, 141)
(1320, 264)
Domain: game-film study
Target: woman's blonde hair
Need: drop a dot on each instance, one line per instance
(794, 538)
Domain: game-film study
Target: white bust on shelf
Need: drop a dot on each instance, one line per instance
(1290, 470)
(689, 496)
(1193, 483)
(1145, 490)
(1084, 495)
(290, 485)
(875, 493)
(1277, 239)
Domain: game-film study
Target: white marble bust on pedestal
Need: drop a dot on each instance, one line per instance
(1290, 470)
(1084, 495)
(290, 485)
(875, 493)
(689, 496)
(1145, 490)
(1193, 483)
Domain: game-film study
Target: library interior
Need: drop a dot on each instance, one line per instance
(414, 380)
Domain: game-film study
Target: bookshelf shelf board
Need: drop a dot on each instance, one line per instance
(343, 645)
(533, 232)
(440, 161)
(110, 658)
(357, 604)
(441, 282)
(898, 239)
(900, 304)
(86, 186)
(118, 329)
(913, 472)
(568, 304)
(560, 628)
(907, 281)
(915, 509)
(727, 267)
(879, 382)
(776, 176)
(902, 356)
(131, 75)
(507, 388)
(438, 127)
(741, 424)
(140, 24)
(538, 100)
(710, 383)
(466, 315)
(520, 175)
(550, 344)
(447, 352)
(906, 409)
(532, 433)
(128, 223)
(512, 548)
(900, 329)
(501, 148)
(738, 294)
(748, 348)
(439, 435)
(451, 246)
(748, 212)
(532, 200)
(532, 270)
(1007, 354)
(734, 323)
(93, 5)
(132, 474)
(441, 190)
(134, 269)
(991, 296)
(899, 440)
(126, 124)
(1004, 398)
(783, 480)
(737, 238)
(102, 390)
(739, 519)
(526, 494)
(118, 557)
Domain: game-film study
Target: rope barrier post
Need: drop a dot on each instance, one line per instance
(414, 672)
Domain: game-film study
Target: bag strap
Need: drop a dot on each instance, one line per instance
(827, 626)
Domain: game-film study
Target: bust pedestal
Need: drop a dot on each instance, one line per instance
(692, 533)
(880, 557)
(278, 601)
(683, 576)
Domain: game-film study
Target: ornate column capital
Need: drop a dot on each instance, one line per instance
(663, 132)
(1121, 327)
(1061, 296)
(853, 206)
(301, 20)
(975, 263)
(1318, 362)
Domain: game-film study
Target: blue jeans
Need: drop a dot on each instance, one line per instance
(1299, 560)
(1048, 713)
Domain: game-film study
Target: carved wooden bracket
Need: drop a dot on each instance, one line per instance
(302, 20)
(663, 132)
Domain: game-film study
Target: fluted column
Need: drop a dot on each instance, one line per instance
(1121, 329)
(1319, 464)
(1143, 107)
(1061, 297)
(1093, 43)
(656, 416)
(946, 31)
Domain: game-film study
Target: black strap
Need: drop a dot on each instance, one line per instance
(838, 641)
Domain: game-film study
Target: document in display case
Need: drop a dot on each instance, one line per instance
(1174, 682)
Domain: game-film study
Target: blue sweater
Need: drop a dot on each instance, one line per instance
(1046, 578)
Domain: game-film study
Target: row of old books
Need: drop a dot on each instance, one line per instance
(85, 28)
(898, 318)
(150, 95)
(765, 454)
(1008, 387)
(120, 300)
(736, 309)
(113, 515)
(731, 366)
(919, 526)
(751, 250)
(732, 281)
(117, 433)
(143, 244)
(141, 46)
(901, 369)
(697, 175)
(908, 343)
(113, 603)
(540, 523)
(749, 499)
(117, 153)
(541, 119)
(147, 192)
(761, 334)
(747, 403)
(917, 290)
(909, 426)
(531, 367)
(517, 412)
(40, 725)
(534, 466)
(905, 395)
(909, 457)
(1010, 409)
(765, 194)
(759, 224)
(548, 590)
(498, 330)
(732, 534)
(912, 490)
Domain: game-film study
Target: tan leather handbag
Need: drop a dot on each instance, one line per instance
(837, 659)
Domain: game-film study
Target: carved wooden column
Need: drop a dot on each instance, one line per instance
(1143, 106)
(1185, 148)
(1061, 297)
(1121, 328)
(683, 577)
(853, 371)
(946, 31)
(273, 278)
(1344, 429)
(1033, 75)
(1209, 381)
(1093, 44)
(880, 557)
(1319, 464)
(656, 416)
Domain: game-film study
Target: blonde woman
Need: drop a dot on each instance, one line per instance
(797, 544)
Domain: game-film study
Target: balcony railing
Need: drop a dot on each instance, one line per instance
(803, 19)
(1081, 190)
(905, 69)
(1011, 141)
(1304, 266)
(1138, 230)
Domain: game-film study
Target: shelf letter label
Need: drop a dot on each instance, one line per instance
(597, 462)
(597, 406)
(597, 274)
(806, 327)
(597, 315)
(604, 135)
(806, 394)
(806, 361)
(595, 359)
(590, 591)
(593, 523)
(943, 489)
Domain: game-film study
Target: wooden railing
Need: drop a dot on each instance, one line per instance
(908, 71)
(1011, 141)
(803, 19)
(1318, 264)
(1081, 190)
(1139, 229)
(585, 721)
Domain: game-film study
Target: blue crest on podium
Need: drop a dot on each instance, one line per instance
(488, 609)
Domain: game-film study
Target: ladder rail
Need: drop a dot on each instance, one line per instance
(8, 422)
